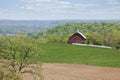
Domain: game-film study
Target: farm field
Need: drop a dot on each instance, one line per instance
(77, 72)
(65, 53)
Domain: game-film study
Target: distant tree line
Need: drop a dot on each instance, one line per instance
(13, 29)
(98, 33)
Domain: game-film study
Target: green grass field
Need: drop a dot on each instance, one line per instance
(65, 53)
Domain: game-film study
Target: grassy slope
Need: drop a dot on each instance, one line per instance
(64, 53)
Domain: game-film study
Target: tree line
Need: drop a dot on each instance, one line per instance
(97, 33)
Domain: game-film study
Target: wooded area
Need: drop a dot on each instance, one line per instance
(97, 33)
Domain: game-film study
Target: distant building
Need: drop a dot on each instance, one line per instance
(77, 37)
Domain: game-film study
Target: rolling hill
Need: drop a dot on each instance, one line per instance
(29, 26)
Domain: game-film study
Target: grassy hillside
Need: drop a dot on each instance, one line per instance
(64, 53)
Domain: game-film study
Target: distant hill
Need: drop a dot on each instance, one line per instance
(84, 27)
(29, 26)
(16, 26)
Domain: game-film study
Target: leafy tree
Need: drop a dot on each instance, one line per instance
(18, 52)
(113, 37)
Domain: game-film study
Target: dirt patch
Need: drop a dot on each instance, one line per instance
(77, 72)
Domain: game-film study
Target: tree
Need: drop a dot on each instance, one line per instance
(17, 52)
(113, 38)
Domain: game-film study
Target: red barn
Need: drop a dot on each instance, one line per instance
(77, 37)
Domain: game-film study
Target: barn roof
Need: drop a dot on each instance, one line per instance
(81, 34)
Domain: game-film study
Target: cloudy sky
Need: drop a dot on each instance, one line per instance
(59, 9)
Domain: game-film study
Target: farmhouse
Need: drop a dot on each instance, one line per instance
(77, 37)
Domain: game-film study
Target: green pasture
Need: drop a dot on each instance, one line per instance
(65, 53)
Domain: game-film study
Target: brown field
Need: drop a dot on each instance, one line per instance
(77, 72)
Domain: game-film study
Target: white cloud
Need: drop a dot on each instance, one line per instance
(29, 7)
(34, 1)
(17, 15)
(61, 9)
(113, 1)
(6, 14)
(107, 13)
(55, 5)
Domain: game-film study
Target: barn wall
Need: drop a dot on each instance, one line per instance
(76, 38)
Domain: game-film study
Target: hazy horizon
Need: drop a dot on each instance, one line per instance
(59, 19)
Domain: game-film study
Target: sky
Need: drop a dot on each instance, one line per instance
(59, 9)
